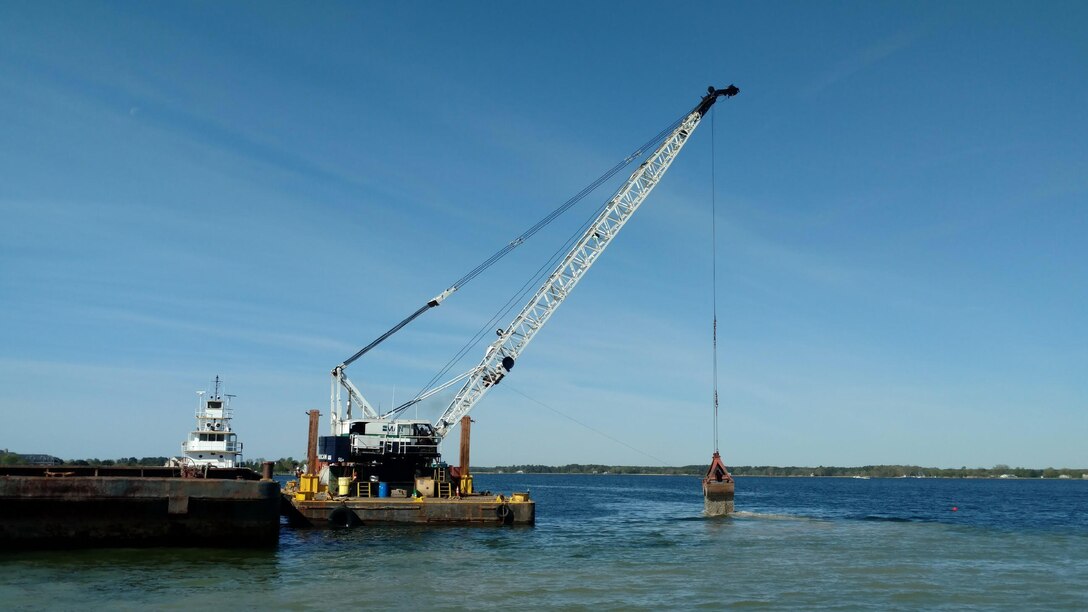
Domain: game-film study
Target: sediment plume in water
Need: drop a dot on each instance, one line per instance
(717, 508)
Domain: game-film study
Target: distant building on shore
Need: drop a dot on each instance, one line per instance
(34, 459)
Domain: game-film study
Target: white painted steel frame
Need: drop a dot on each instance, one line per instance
(551, 294)
(355, 398)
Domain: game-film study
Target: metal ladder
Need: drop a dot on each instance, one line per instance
(441, 479)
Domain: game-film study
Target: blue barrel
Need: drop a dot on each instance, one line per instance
(383, 489)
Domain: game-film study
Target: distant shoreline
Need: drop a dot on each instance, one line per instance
(1000, 472)
(288, 465)
(501, 473)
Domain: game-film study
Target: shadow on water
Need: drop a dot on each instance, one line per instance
(140, 558)
(98, 575)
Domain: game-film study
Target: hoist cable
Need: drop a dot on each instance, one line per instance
(714, 267)
(659, 461)
(533, 282)
(543, 271)
(513, 244)
(516, 242)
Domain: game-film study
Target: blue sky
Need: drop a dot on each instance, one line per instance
(257, 190)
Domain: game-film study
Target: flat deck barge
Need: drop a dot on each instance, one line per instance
(518, 509)
(71, 507)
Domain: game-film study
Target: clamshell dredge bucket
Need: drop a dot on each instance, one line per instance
(717, 489)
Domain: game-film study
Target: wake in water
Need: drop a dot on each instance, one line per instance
(742, 514)
(773, 517)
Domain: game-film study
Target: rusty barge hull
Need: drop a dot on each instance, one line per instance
(356, 512)
(132, 507)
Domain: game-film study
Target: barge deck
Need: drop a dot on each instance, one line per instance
(518, 509)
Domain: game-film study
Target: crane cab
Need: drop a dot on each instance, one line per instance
(392, 451)
(369, 436)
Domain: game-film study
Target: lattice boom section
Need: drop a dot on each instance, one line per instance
(552, 293)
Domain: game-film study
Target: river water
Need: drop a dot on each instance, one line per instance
(622, 542)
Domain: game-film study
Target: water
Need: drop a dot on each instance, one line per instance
(621, 542)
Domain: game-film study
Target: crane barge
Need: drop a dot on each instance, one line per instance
(369, 456)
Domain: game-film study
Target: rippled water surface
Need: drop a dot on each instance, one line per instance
(632, 542)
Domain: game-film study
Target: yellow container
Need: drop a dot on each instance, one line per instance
(519, 497)
(307, 484)
(343, 485)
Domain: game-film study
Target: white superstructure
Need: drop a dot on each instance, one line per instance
(213, 443)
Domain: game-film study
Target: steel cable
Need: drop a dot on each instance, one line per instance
(520, 239)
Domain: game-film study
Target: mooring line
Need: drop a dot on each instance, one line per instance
(660, 461)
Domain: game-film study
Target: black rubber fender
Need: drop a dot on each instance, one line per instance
(505, 514)
(343, 517)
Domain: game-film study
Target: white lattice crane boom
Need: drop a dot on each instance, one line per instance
(504, 352)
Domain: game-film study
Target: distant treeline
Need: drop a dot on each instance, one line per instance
(875, 471)
(287, 465)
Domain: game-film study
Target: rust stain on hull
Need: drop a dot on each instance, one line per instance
(80, 507)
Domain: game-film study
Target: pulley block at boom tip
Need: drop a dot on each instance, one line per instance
(712, 96)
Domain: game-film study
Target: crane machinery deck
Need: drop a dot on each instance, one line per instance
(377, 468)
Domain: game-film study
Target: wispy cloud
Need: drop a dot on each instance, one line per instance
(865, 58)
(233, 331)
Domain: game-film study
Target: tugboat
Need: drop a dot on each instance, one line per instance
(212, 444)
